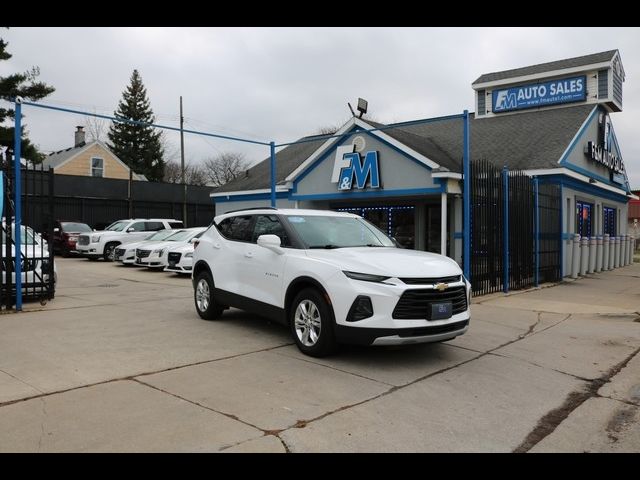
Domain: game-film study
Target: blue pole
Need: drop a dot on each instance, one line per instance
(273, 174)
(505, 232)
(17, 187)
(466, 173)
(536, 230)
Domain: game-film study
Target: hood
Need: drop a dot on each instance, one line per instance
(182, 248)
(131, 245)
(393, 262)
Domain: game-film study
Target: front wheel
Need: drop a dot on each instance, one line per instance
(110, 252)
(206, 306)
(312, 324)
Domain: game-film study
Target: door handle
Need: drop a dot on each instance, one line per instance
(249, 254)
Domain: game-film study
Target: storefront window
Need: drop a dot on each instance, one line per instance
(397, 221)
(609, 224)
(584, 217)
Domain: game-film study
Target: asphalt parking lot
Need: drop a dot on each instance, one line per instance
(119, 361)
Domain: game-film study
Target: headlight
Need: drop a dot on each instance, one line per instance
(159, 250)
(189, 255)
(366, 277)
(95, 238)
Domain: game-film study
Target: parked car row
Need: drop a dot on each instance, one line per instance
(156, 243)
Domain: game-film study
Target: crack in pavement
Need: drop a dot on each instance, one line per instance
(21, 381)
(143, 374)
(549, 422)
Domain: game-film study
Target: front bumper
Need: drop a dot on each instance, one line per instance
(185, 265)
(152, 261)
(90, 250)
(388, 325)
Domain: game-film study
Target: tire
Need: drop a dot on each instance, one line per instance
(109, 251)
(205, 304)
(311, 321)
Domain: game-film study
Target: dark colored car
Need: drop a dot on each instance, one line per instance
(65, 236)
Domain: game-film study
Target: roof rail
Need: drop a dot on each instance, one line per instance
(251, 208)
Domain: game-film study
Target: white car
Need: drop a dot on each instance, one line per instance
(39, 273)
(126, 253)
(103, 243)
(180, 258)
(154, 255)
(331, 277)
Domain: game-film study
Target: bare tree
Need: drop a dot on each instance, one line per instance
(96, 128)
(225, 167)
(327, 130)
(193, 174)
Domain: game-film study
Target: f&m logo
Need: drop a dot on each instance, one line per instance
(506, 100)
(349, 166)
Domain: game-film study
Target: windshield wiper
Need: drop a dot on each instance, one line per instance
(328, 246)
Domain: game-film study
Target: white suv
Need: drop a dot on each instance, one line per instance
(103, 243)
(331, 277)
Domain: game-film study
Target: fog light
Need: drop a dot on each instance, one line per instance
(362, 308)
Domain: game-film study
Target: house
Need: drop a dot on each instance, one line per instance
(88, 160)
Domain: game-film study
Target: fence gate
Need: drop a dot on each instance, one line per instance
(549, 232)
(503, 230)
(36, 253)
(487, 227)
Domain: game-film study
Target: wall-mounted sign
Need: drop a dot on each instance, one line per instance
(602, 150)
(349, 168)
(566, 90)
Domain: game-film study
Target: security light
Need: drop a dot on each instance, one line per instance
(362, 106)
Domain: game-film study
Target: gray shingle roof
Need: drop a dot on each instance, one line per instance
(547, 67)
(287, 160)
(528, 140)
(57, 158)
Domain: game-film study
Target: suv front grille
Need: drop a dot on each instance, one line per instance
(142, 253)
(174, 257)
(83, 240)
(431, 281)
(416, 304)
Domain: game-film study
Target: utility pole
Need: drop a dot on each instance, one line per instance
(184, 185)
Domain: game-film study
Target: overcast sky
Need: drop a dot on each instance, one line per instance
(283, 83)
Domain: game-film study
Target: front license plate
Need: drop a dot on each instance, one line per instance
(440, 311)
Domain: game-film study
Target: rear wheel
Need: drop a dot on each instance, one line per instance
(311, 324)
(206, 305)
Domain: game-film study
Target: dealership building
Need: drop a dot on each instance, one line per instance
(552, 121)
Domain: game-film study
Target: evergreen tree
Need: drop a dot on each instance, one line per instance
(139, 146)
(23, 85)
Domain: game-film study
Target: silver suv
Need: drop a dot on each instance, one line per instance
(103, 243)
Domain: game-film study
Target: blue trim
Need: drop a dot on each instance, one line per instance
(563, 234)
(273, 173)
(466, 197)
(585, 188)
(457, 235)
(367, 194)
(248, 197)
(589, 173)
(331, 150)
(17, 139)
(536, 230)
(579, 135)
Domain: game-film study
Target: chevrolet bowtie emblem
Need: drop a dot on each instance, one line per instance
(441, 286)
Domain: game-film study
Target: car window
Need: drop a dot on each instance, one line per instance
(237, 228)
(154, 226)
(270, 225)
(117, 226)
(175, 224)
(75, 227)
(138, 227)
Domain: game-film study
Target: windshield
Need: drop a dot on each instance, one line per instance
(75, 227)
(161, 235)
(117, 226)
(337, 232)
(180, 236)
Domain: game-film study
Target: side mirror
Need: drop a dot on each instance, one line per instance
(130, 229)
(56, 230)
(271, 242)
(194, 240)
